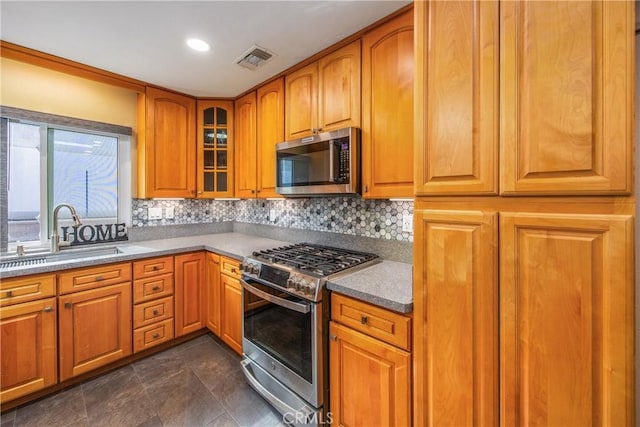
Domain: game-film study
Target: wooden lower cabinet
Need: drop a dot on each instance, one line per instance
(370, 380)
(566, 319)
(212, 293)
(455, 318)
(95, 328)
(231, 312)
(28, 360)
(189, 281)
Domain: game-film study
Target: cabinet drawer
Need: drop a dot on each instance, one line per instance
(23, 289)
(152, 267)
(152, 288)
(153, 334)
(393, 328)
(94, 277)
(230, 266)
(153, 311)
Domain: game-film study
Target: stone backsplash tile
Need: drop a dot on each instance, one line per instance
(381, 219)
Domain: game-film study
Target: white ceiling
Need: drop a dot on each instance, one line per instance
(146, 39)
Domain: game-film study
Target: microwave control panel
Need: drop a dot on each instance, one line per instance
(344, 160)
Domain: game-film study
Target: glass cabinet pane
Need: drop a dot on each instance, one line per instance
(222, 137)
(209, 137)
(208, 117)
(208, 181)
(221, 116)
(208, 160)
(222, 181)
(221, 157)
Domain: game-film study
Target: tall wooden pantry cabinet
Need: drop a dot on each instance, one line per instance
(524, 279)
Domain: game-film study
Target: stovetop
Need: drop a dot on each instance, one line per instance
(302, 269)
(315, 259)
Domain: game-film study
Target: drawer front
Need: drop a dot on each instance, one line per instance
(152, 288)
(151, 335)
(393, 328)
(30, 288)
(230, 266)
(153, 311)
(152, 267)
(94, 277)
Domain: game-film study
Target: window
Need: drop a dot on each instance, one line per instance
(48, 164)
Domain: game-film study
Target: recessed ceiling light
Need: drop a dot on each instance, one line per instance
(197, 44)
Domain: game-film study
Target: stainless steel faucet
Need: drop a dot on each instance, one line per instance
(55, 237)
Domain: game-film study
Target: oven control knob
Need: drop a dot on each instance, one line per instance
(290, 283)
(308, 290)
(254, 268)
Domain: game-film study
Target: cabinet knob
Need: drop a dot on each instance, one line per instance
(67, 305)
(200, 192)
(364, 320)
(155, 312)
(156, 336)
(156, 288)
(366, 189)
(333, 337)
(47, 309)
(156, 268)
(253, 191)
(9, 294)
(99, 278)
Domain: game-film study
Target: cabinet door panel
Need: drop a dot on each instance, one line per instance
(270, 132)
(95, 328)
(455, 318)
(231, 312)
(189, 279)
(566, 319)
(370, 380)
(387, 109)
(212, 297)
(28, 361)
(566, 96)
(245, 146)
(169, 159)
(215, 167)
(457, 102)
(302, 102)
(339, 88)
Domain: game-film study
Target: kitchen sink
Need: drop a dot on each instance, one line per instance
(45, 257)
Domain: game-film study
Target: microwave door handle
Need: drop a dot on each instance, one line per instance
(296, 306)
(332, 154)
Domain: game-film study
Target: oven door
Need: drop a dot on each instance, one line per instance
(282, 333)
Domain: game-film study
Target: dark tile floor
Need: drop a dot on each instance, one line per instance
(198, 383)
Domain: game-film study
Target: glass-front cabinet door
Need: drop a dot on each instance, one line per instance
(215, 148)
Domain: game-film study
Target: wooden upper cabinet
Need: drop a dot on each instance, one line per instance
(302, 102)
(566, 320)
(456, 129)
(270, 131)
(245, 146)
(339, 88)
(566, 96)
(215, 149)
(455, 318)
(387, 109)
(325, 94)
(166, 145)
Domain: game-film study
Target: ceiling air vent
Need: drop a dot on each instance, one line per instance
(254, 58)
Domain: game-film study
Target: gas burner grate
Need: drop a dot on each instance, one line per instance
(315, 259)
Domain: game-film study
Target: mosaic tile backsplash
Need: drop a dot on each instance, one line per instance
(380, 219)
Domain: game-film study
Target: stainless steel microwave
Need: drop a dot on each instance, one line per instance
(326, 163)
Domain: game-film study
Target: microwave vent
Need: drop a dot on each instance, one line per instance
(254, 58)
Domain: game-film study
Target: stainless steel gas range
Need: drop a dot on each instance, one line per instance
(285, 325)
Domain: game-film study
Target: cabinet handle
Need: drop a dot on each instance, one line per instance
(233, 270)
(99, 278)
(155, 312)
(9, 294)
(155, 288)
(156, 268)
(333, 337)
(156, 336)
(47, 309)
(364, 320)
(366, 188)
(67, 305)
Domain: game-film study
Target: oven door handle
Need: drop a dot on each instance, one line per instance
(296, 306)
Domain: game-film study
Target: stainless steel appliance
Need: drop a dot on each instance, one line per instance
(285, 325)
(326, 163)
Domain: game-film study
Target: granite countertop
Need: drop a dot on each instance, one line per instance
(387, 284)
